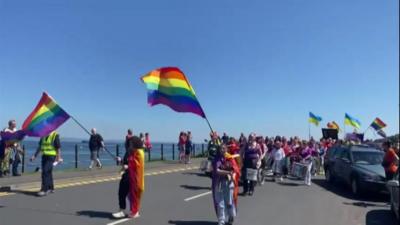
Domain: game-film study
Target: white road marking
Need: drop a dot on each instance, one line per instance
(118, 221)
(198, 196)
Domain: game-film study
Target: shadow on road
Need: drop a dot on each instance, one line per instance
(342, 189)
(288, 184)
(365, 204)
(195, 188)
(94, 214)
(197, 174)
(380, 217)
(28, 193)
(192, 222)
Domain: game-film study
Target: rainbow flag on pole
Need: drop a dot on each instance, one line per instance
(351, 121)
(45, 118)
(314, 119)
(378, 124)
(170, 87)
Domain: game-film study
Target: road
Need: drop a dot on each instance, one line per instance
(164, 203)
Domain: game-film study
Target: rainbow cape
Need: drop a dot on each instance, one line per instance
(378, 124)
(45, 118)
(314, 119)
(169, 86)
(352, 121)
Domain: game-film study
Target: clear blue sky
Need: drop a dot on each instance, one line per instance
(256, 65)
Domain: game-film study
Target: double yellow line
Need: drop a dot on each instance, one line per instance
(96, 180)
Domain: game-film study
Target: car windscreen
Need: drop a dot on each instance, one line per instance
(367, 158)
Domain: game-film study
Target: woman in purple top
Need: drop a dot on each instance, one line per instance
(306, 159)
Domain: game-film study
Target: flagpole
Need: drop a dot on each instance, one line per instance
(309, 131)
(209, 125)
(87, 131)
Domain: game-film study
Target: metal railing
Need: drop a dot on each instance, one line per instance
(165, 152)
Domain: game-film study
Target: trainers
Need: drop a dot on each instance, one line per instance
(119, 215)
(137, 215)
(41, 193)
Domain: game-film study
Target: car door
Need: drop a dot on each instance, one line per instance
(335, 165)
(394, 192)
(345, 165)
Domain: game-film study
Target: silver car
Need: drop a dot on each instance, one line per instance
(393, 186)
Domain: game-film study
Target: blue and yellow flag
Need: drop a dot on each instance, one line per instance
(314, 119)
(352, 121)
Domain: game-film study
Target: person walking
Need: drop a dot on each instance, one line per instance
(182, 146)
(147, 142)
(188, 147)
(225, 184)
(49, 147)
(251, 159)
(278, 155)
(95, 144)
(12, 152)
(132, 181)
(306, 159)
(390, 160)
(127, 137)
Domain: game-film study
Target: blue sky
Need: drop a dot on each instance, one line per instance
(256, 65)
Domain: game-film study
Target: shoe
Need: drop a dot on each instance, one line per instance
(281, 179)
(17, 175)
(42, 193)
(250, 193)
(137, 215)
(230, 220)
(51, 191)
(119, 215)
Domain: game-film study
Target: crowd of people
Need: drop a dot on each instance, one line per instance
(234, 160)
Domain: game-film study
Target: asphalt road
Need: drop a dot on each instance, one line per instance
(164, 203)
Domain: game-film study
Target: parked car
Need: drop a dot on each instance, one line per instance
(359, 166)
(393, 186)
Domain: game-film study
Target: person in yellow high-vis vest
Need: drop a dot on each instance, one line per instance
(49, 147)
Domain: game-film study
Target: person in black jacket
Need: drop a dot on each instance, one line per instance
(95, 144)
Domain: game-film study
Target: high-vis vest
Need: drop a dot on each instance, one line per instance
(47, 146)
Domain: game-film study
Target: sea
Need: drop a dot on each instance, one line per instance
(83, 156)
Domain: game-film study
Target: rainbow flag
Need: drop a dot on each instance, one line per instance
(169, 86)
(352, 121)
(314, 119)
(45, 118)
(378, 124)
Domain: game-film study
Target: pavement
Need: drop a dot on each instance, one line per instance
(179, 194)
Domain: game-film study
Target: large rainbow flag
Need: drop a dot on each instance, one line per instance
(45, 118)
(378, 124)
(169, 86)
(349, 120)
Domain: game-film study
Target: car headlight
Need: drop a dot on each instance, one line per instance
(371, 177)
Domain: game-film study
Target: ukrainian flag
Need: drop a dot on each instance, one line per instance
(314, 119)
(352, 121)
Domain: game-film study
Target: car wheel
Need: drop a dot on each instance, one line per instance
(328, 176)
